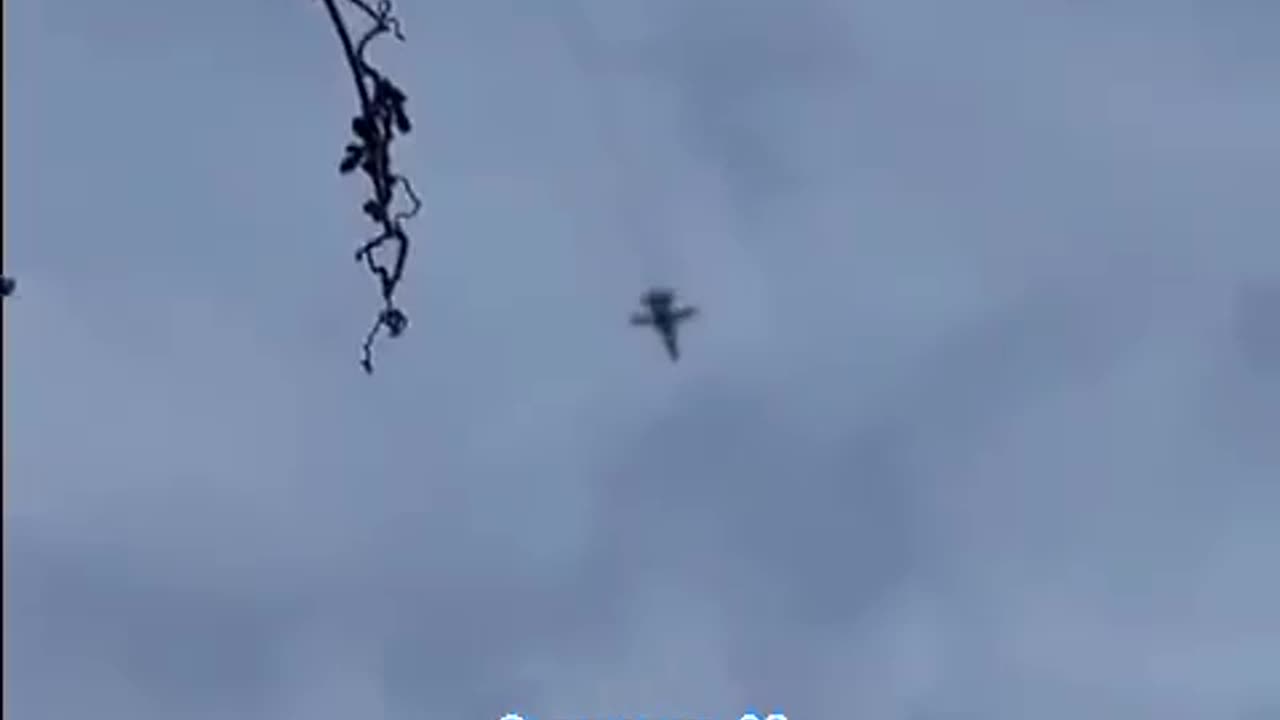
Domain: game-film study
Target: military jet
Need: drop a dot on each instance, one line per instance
(664, 316)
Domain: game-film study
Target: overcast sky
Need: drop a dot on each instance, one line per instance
(979, 421)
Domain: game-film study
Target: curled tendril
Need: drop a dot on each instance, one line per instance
(382, 118)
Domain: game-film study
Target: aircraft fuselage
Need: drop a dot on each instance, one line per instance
(665, 318)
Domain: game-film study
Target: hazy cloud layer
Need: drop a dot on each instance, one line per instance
(979, 422)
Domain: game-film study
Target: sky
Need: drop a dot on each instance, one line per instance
(977, 423)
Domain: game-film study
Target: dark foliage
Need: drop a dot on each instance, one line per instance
(382, 117)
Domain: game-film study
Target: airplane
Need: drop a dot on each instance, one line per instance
(664, 316)
(7, 285)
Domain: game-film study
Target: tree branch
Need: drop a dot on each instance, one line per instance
(382, 117)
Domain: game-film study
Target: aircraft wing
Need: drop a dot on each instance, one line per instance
(641, 319)
(684, 313)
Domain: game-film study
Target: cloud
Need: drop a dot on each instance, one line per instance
(976, 423)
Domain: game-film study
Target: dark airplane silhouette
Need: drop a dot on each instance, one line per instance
(7, 285)
(664, 316)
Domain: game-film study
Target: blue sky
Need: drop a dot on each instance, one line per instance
(978, 420)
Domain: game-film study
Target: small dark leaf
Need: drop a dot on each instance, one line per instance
(394, 94)
(363, 128)
(350, 162)
(384, 92)
(402, 120)
(374, 210)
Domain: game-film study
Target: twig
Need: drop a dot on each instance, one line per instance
(382, 117)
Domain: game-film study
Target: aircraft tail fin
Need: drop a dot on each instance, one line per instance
(673, 347)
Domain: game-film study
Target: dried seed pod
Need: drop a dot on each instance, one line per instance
(395, 320)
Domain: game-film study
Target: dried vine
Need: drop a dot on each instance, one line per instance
(382, 117)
